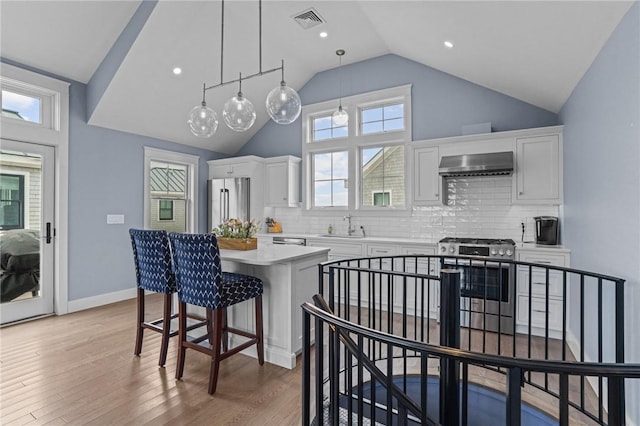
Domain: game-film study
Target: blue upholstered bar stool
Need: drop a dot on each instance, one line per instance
(201, 282)
(154, 273)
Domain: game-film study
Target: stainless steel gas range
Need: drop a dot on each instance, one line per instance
(487, 285)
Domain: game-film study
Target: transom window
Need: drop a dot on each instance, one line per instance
(21, 106)
(324, 129)
(331, 179)
(379, 119)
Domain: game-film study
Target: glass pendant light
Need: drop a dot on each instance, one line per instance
(340, 118)
(238, 112)
(283, 103)
(203, 121)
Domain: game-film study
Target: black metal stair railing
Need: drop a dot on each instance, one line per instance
(389, 347)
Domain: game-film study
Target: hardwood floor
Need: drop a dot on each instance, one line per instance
(80, 369)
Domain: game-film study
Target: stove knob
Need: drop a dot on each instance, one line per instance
(443, 249)
(494, 252)
(501, 252)
(452, 249)
(509, 252)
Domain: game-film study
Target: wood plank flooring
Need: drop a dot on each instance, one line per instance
(80, 369)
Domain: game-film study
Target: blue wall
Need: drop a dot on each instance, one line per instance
(441, 103)
(601, 215)
(106, 169)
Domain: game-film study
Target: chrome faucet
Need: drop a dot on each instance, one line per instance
(364, 234)
(350, 229)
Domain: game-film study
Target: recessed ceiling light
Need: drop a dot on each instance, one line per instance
(324, 34)
(177, 70)
(448, 44)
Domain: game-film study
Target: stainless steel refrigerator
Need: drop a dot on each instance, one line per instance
(228, 199)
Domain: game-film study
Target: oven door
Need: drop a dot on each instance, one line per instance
(487, 291)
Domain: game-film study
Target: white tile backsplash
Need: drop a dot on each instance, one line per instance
(477, 207)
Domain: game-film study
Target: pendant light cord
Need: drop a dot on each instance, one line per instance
(222, 43)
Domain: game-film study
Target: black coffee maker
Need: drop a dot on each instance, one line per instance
(546, 230)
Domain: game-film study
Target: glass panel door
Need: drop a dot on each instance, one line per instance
(27, 233)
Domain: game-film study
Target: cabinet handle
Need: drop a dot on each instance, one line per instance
(284, 198)
(436, 195)
(520, 193)
(540, 283)
(548, 262)
(539, 311)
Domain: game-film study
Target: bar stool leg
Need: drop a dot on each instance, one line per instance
(139, 329)
(182, 337)
(166, 329)
(215, 356)
(225, 332)
(259, 335)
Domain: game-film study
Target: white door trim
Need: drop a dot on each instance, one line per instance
(56, 135)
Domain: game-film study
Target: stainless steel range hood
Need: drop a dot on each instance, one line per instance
(494, 163)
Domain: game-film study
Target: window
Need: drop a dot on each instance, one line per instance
(21, 106)
(330, 179)
(11, 201)
(165, 210)
(170, 191)
(323, 129)
(381, 198)
(386, 118)
(359, 167)
(382, 174)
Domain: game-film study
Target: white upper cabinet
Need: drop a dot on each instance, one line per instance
(282, 181)
(426, 181)
(247, 166)
(538, 174)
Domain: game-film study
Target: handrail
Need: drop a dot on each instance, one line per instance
(477, 358)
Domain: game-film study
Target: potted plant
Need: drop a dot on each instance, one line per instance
(236, 234)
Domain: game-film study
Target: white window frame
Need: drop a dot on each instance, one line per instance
(191, 203)
(55, 94)
(353, 144)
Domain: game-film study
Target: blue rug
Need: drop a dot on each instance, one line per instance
(486, 407)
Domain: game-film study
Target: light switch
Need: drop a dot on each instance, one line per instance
(115, 219)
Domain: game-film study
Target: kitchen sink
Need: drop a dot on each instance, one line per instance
(342, 236)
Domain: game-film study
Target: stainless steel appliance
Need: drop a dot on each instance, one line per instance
(290, 241)
(228, 199)
(546, 230)
(487, 286)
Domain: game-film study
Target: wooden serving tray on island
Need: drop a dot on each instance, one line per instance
(237, 243)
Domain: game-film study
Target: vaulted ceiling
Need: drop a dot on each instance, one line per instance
(535, 51)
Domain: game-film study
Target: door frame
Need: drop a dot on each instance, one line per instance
(55, 134)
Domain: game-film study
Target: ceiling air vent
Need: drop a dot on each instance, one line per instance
(308, 19)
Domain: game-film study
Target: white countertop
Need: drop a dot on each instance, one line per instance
(271, 254)
(347, 238)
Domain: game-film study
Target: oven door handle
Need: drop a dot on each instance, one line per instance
(479, 263)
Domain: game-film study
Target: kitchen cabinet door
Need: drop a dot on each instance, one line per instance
(538, 177)
(282, 182)
(426, 181)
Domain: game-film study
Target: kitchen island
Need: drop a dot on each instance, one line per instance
(290, 276)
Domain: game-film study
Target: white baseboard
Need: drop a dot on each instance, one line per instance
(103, 299)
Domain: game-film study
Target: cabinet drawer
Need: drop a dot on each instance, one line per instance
(376, 251)
(539, 312)
(344, 250)
(539, 279)
(543, 258)
(428, 250)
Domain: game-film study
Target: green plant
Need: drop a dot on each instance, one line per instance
(236, 228)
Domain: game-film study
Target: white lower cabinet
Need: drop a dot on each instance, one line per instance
(417, 294)
(541, 313)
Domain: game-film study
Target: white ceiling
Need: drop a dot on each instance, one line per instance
(535, 51)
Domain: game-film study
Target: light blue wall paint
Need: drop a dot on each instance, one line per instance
(601, 215)
(111, 62)
(106, 170)
(441, 103)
